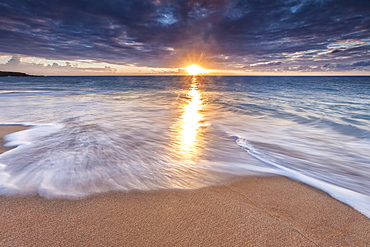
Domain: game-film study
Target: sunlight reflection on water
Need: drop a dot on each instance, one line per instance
(190, 120)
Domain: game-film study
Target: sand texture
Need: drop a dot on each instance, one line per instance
(254, 211)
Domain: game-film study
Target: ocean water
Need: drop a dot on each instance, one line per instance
(91, 135)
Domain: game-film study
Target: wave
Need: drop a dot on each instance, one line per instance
(74, 159)
(354, 199)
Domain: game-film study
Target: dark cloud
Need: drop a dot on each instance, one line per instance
(164, 33)
(336, 51)
(362, 63)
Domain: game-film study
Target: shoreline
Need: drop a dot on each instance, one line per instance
(251, 211)
(6, 130)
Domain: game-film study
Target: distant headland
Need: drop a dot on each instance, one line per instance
(9, 73)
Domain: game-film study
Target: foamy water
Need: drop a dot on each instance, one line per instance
(96, 134)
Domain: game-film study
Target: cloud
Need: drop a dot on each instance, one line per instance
(14, 61)
(271, 63)
(166, 33)
(362, 63)
(16, 64)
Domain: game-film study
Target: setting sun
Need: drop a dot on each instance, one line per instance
(195, 69)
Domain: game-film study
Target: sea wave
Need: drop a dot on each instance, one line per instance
(356, 200)
(72, 159)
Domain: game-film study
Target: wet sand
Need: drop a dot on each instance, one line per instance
(6, 130)
(253, 211)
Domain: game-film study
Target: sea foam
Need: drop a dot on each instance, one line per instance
(358, 201)
(73, 160)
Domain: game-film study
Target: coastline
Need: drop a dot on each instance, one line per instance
(252, 211)
(6, 130)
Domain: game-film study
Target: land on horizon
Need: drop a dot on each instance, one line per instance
(16, 74)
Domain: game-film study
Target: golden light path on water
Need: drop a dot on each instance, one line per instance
(190, 120)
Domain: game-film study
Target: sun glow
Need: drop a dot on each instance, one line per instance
(195, 69)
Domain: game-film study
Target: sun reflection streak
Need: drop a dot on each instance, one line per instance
(190, 120)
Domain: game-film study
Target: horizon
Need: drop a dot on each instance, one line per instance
(198, 75)
(155, 37)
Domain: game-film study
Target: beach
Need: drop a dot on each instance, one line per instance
(184, 123)
(5, 130)
(249, 211)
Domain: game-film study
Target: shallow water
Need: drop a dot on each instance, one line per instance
(96, 134)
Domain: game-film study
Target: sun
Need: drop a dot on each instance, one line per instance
(195, 69)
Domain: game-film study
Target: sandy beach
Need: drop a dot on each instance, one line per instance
(252, 211)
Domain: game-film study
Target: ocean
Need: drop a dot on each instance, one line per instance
(91, 135)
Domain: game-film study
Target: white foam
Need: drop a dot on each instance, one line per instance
(26, 137)
(358, 201)
(74, 159)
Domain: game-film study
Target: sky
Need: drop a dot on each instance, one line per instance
(158, 37)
